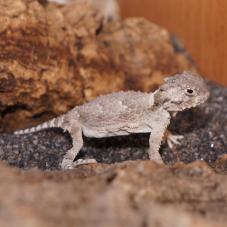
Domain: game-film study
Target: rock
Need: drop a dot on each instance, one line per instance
(53, 57)
(139, 193)
(109, 10)
(220, 165)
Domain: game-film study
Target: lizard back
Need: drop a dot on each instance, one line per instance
(120, 107)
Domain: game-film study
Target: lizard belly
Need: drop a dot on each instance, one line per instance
(109, 132)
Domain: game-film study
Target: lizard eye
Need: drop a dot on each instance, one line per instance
(190, 92)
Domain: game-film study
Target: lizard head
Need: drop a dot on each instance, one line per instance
(182, 91)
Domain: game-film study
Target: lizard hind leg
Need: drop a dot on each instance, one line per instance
(77, 142)
(75, 131)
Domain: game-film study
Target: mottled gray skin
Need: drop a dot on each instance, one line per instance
(129, 112)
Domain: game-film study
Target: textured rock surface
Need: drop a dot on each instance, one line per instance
(139, 193)
(54, 57)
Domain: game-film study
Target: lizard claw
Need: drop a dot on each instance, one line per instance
(173, 139)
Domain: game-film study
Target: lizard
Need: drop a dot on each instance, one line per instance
(126, 112)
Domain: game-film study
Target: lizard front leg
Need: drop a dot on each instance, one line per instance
(157, 132)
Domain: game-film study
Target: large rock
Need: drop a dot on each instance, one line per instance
(53, 57)
(136, 194)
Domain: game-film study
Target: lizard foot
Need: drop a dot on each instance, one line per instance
(173, 139)
(84, 162)
(69, 164)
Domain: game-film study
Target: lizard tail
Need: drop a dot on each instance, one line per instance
(56, 122)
